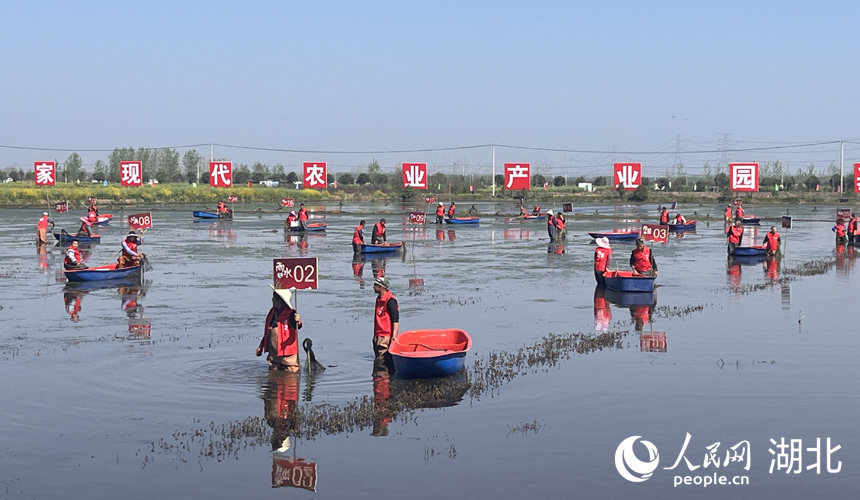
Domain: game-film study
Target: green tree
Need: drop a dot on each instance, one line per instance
(292, 177)
(346, 179)
(362, 179)
(168, 164)
(191, 165)
(100, 170)
(260, 172)
(558, 181)
(278, 173)
(641, 193)
(600, 180)
(538, 180)
(721, 180)
(73, 168)
(242, 174)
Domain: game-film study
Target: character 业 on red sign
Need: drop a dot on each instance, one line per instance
(131, 173)
(415, 175)
(517, 176)
(221, 173)
(744, 176)
(314, 174)
(46, 173)
(628, 175)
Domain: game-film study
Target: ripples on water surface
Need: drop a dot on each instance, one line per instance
(99, 409)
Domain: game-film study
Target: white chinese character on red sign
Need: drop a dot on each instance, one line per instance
(44, 175)
(221, 174)
(315, 175)
(628, 175)
(415, 175)
(517, 176)
(131, 173)
(744, 176)
(857, 177)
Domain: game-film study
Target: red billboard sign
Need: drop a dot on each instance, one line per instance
(743, 176)
(232, 198)
(131, 173)
(517, 176)
(415, 175)
(786, 222)
(417, 217)
(857, 177)
(430, 199)
(294, 474)
(628, 175)
(288, 202)
(843, 213)
(221, 173)
(297, 272)
(654, 232)
(61, 207)
(314, 175)
(140, 221)
(45, 173)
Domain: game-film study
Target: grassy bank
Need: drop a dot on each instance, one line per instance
(26, 195)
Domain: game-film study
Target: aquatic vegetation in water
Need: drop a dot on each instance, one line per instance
(526, 427)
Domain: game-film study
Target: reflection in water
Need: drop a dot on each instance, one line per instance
(555, 248)
(358, 268)
(771, 268)
(452, 235)
(640, 304)
(72, 297)
(733, 273)
(653, 342)
(298, 242)
(602, 312)
(280, 399)
(381, 394)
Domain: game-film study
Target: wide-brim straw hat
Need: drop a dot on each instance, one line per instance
(603, 242)
(285, 294)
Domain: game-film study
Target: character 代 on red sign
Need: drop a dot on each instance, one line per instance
(131, 173)
(221, 173)
(628, 175)
(314, 174)
(415, 175)
(743, 176)
(517, 176)
(45, 173)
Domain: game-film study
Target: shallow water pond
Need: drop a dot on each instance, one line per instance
(153, 390)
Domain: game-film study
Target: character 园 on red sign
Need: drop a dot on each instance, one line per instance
(45, 173)
(743, 176)
(415, 175)
(628, 175)
(654, 232)
(297, 272)
(417, 217)
(131, 173)
(221, 173)
(517, 176)
(140, 221)
(61, 207)
(314, 174)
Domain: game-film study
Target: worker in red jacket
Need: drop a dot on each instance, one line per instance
(451, 210)
(771, 242)
(73, 258)
(728, 213)
(129, 256)
(386, 317)
(735, 235)
(280, 333)
(840, 231)
(642, 260)
(377, 236)
(664, 216)
(358, 237)
(851, 228)
(602, 257)
(739, 213)
(440, 213)
(42, 229)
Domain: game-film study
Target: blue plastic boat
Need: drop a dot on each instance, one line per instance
(625, 281)
(753, 251)
(101, 273)
(690, 225)
(429, 353)
(617, 235)
(309, 228)
(381, 248)
(752, 220)
(205, 215)
(463, 220)
(66, 238)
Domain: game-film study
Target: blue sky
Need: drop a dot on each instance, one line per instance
(339, 78)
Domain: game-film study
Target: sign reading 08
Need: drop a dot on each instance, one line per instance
(297, 272)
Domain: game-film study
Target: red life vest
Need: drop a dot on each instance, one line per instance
(356, 237)
(852, 225)
(43, 222)
(771, 242)
(642, 259)
(602, 313)
(129, 245)
(550, 220)
(740, 212)
(92, 217)
(559, 223)
(78, 257)
(728, 213)
(222, 207)
(840, 230)
(303, 215)
(440, 211)
(382, 320)
(601, 258)
(451, 210)
(679, 219)
(380, 230)
(735, 233)
(664, 217)
(287, 335)
(286, 395)
(291, 218)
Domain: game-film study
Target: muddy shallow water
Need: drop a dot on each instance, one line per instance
(155, 389)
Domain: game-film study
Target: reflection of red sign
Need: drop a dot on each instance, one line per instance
(294, 474)
(628, 175)
(743, 176)
(232, 198)
(653, 342)
(415, 175)
(61, 207)
(131, 173)
(288, 202)
(843, 213)
(417, 217)
(46, 173)
(567, 207)
(786, 221)
(654, 232)
(139, 331)
(517, 176)
(516, 234)
(430, 199)
(416, 282)
(314, 174)
(857, 177)
(221, 173)
(140, 221)
(298, 272)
